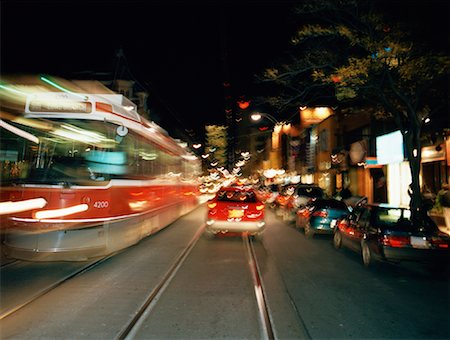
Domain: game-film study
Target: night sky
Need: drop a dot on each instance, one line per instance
(181, 52)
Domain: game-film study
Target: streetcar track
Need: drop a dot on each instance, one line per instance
(54, 285)
(263, 310)
(134, 325)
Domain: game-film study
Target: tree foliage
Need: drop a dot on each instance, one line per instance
(348, 46)
(216, 144)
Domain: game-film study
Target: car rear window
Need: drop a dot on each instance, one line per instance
(331, 204)
(236, 196)
(393, 218)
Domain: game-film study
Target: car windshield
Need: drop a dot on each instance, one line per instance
(236, 196)
(310, 191)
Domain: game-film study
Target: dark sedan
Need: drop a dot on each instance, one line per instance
(383, 232)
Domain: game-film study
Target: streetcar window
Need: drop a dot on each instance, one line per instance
(83, 152)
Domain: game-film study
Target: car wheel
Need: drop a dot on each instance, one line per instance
(309, 232)
(337, 239)
(366, 254)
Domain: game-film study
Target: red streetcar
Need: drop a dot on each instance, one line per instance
(85, 175)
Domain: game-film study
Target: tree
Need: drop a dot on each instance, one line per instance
(374, 62)
(216, 144)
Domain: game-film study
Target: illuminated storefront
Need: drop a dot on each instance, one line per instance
(390, 152)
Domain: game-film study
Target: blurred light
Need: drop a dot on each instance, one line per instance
(243, 104)
(256, 116)
(415, 152)
(427, 120)
(148, 156)
(295, 179)
(270, 173)
(13, 90)
(189, 157)
(81, 135)
(48, 81)
(44, 214)
(20, 206)
(19, 132)
(138, 205)
(197, 146)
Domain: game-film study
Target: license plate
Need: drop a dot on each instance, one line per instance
(235, 213)
(419, 242)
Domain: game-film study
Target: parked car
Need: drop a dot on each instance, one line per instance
(294, 197)
(384, 232)
(267, 194)
(235, 209)
(283, 199)
(320, 216)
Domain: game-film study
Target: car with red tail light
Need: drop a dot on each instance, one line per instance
(386, 233)
(320, 215)
(294, 197)
(235, 209)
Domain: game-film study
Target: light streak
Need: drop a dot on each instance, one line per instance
(19, 132)
(43, 214)
(20, 206)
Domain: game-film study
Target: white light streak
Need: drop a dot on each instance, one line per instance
(19, 132)
(43, 214)
(20, 206)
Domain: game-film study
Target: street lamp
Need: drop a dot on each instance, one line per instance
(258, 115)
(281, 127)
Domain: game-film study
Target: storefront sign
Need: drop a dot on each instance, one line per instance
(390, 148)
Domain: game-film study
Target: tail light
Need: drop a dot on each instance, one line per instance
(212, 205)
(438, 242)
(320, 213)
(396, 241)
(343, 225)
(303, 212)
(259, 207)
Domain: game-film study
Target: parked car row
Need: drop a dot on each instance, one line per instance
(378, 232)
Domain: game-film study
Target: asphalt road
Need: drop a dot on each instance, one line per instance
(313, 291)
